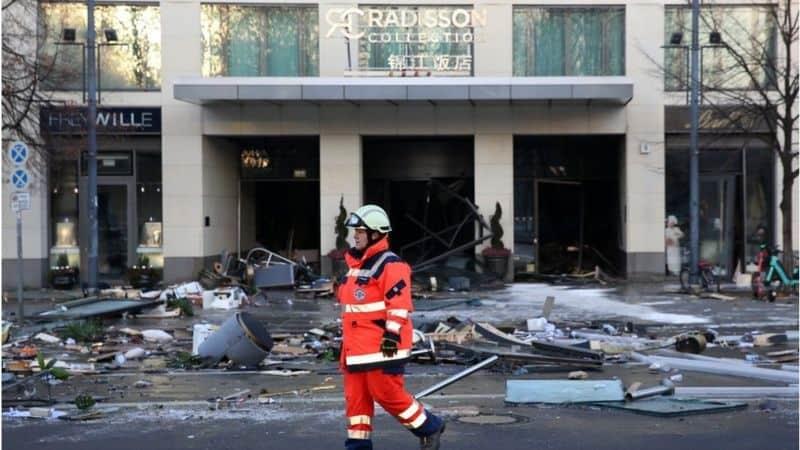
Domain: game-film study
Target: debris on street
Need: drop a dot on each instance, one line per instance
(196, 328)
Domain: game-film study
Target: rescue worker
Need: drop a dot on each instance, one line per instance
(377, 334)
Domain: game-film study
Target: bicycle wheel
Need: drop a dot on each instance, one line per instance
(684, 277)
(772, 294)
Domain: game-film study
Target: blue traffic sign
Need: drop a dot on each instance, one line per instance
(18, 153)
(19, 178)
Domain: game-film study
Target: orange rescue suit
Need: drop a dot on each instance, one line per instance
(376, 300)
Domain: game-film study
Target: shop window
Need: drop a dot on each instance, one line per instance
(735, 201)
(241, 40)
(748, 32)
(64, 214)
(149, 210)
(128, 46)
(759, 166)
(428, 45)
(553, 41)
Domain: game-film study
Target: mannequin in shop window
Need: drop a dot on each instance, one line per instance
(672, 238)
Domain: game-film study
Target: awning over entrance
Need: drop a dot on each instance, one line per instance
(200, 90)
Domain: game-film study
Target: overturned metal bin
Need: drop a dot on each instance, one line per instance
(241, 338)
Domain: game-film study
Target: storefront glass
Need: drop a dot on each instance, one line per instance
(132, 62)
(64, 214)
(731, 211)
(747, 32)
(149, 251)
(243, 40)
(554, 41)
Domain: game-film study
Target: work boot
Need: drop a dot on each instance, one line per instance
(431, 441)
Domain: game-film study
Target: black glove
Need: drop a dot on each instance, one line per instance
(389, 344)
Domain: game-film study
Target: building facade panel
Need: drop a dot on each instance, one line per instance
(522, 103)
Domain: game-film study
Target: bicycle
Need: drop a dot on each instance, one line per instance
(766, 285)
(708, 277)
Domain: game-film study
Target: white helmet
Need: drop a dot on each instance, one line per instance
(370, 217)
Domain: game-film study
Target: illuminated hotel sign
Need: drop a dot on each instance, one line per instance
(428, 39)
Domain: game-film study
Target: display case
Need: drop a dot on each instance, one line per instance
(149, 251)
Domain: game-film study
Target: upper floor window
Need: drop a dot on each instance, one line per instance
(241, 40)
(737, 47)
(557, 41)
(128, 46)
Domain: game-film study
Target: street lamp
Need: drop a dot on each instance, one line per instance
(676, 42)
(68, 37)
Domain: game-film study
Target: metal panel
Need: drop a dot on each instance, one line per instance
(323, 92)
(199, 90)
(541, 92)
(446, 92)
(97, 307)
(602, 91)
(275, 92)
(376, 92)
(490, 92)
(205, 92)
(675, 407)
(564, 391)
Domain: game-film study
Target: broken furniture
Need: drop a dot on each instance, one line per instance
(267, 269)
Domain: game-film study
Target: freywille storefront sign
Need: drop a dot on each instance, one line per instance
(109, 120)
(411, 33)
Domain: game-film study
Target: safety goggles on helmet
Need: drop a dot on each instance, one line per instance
(354, 221)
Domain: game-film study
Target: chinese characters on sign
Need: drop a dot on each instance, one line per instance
(420, 39)
(439, 63)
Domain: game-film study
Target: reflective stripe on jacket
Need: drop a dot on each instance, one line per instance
(376, 301)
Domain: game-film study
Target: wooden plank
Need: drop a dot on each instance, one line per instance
(550, 348)
(491, 333)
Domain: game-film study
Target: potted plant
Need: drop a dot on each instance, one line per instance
(496, 255)
(142, 275)
(62, 276)
(339, 266)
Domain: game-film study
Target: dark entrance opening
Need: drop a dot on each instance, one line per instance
(566, 203)
(418, 181)
(280, 195)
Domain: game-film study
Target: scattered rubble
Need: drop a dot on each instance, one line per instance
(575, 354)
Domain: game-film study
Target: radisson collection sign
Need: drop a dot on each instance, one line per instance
(416, 27)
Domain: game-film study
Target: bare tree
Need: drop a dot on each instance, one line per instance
(753, 82)
(25, 71)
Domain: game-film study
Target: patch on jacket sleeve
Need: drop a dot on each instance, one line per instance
(396, 290)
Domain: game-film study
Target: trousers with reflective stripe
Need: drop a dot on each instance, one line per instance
(363, 389)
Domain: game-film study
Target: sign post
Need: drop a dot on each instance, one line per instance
(18, 152)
